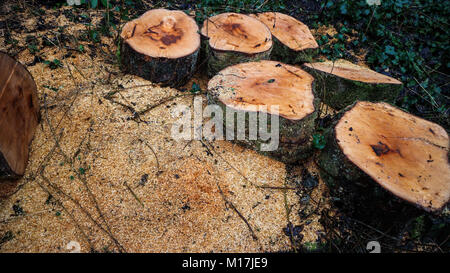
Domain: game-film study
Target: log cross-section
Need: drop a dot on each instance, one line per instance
(293, 41)
(262, 86)
(19, 116)
(342, 83)
(161, 46)
(235, 38)
(405, 154)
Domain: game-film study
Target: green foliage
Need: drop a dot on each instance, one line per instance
(53, 64)
(407, 39)
(319, 141)
(419, 227)
(54, 89)
(313, 246)
(195, 88)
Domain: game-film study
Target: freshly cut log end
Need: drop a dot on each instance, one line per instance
(293, 41)
(235, 38)
(161, 46)
(342, 83)
(406, 155)
(246, 87)
(19, 116)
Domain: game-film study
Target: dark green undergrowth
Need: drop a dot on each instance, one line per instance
(406, 39)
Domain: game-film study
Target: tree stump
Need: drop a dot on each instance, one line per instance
(19, 116)
(293, 41)
(161, 46)
(406, 155)
(235, 38)
(255, 87)
(341, 83)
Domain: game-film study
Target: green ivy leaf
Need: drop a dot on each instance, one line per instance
(195, 88)
(106, 3)
(319, 141)
(390, 50)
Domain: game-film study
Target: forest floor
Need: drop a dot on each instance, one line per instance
(105, 172)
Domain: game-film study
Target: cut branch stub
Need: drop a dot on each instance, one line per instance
(161, 46)
(19, 116)
(293, 41)
(235, 38)
(255, 87)
(406, 155)
(342, 83)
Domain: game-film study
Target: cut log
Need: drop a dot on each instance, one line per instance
(293, 41)
(406, 155)
(19, 116)
(342, 83)
(161, 46)
(235, 38)
(248, 87)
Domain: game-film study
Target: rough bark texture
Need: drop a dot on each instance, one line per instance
(412, 163)
(284, 54)
(295, 142)
(167, 72)
(335, 164)
(218, 59)
(19, 116)
(339, 92)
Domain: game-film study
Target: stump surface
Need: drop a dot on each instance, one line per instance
(289, 31)
(237, 32)
(266, 83)
(19, 116)
(341, 83)
(349, 71)
(235, 38)
(162, 33)
(161, 46)
(405, 154)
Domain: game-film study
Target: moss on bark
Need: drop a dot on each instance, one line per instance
(167, 72)
(284, 54)
(338, 92)
(295, 136)
(218, 59)
(332, 160)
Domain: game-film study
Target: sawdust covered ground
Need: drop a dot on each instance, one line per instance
(105, 172)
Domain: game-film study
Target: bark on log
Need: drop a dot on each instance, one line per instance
(342, 83)
(235, 38)
(19, 117)
(161, 46)
(293, 41)
(406, 155)
(244, 87)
